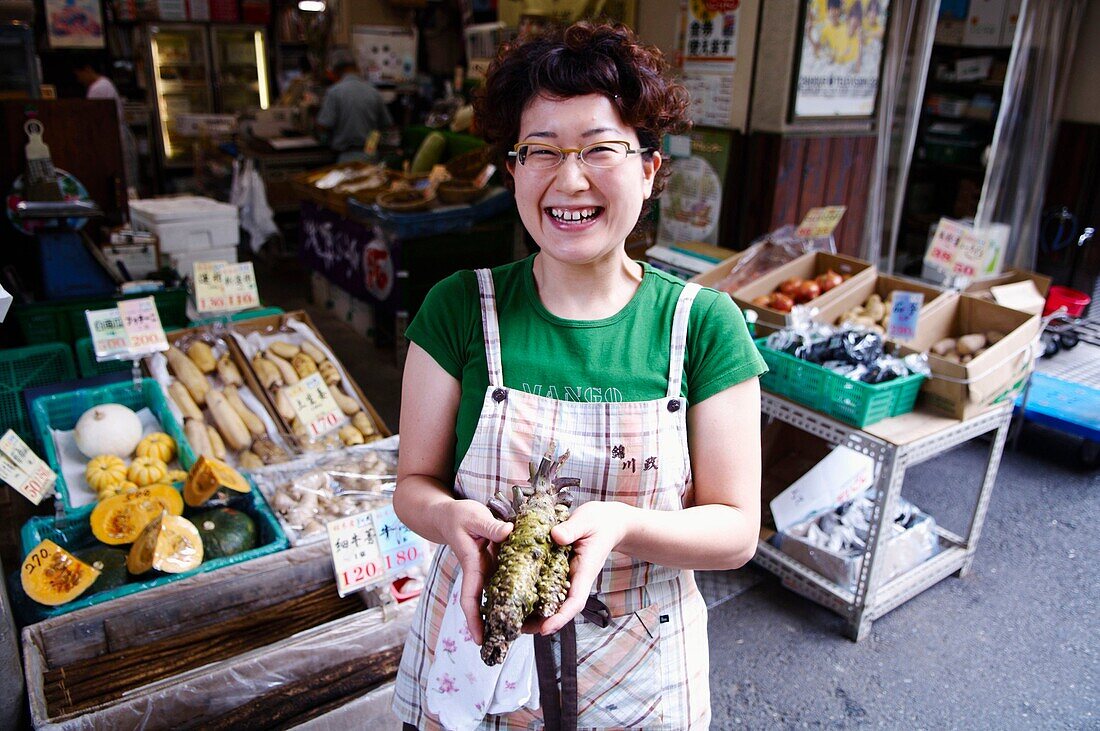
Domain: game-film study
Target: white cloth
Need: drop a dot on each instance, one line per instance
(462, 689)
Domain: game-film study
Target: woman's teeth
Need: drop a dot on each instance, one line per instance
(575, 214)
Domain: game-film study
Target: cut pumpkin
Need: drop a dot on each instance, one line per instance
(105, 471)
(169, 543)
(158, 445)
(207, 476)
(119, 519)
(52, 576)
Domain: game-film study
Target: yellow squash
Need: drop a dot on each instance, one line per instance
(207, 476)
(105, 471)
(147, 470)
(158, 445)
(119, 519)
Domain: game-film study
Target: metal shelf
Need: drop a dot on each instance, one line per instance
(894, 444)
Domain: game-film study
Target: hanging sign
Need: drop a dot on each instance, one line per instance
(23, 470)
(903, 315)
(141, 322)
(962, 251)
(314, 405)
(820, 222)
(372, 548)
(944, 244)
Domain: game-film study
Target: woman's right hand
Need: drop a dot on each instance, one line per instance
(470, 529)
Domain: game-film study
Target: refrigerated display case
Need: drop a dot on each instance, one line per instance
(179, 59)
(240, 68)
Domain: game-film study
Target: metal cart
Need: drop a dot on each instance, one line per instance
(895, 445)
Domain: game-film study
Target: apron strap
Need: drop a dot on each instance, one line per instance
(490, 327)
(560, 706)
(679, 339)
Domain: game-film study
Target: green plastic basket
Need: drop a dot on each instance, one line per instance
(90, 367)
(852, 402)
(76, 533)
(237, 317)
(62, 410)
(23, 368)
(63, 321)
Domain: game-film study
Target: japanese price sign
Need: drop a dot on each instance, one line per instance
(317, 410)
(370, 548)
(108, 336)
(209, 290)
(23, 470)
(959, 250)
(903, 315)
(224, 287)
(944, 244)
(141, 322)
(239, 282)
(820, 221)
(970, 255)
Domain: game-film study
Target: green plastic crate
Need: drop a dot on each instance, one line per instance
(90, 367)
(62, 410)
(237, 317)
(76, 533)
(63, 321)
(852, 402)
(23, 368)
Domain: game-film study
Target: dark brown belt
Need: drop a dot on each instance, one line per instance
(559, 705)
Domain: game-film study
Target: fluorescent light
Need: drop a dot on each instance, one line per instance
(261, 68)
(311, 6)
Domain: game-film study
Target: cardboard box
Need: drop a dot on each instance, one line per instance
(984, 23)
(713, 276)
(838, 478)
(805, 267)
(901, 553)
(980, 287)
(883, 284)
(991, 379)
(273, 323)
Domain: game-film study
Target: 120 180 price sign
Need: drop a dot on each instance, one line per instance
(370, 548)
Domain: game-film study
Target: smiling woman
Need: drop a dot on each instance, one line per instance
(577, 116)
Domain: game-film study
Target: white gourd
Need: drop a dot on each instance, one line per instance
(107, 429)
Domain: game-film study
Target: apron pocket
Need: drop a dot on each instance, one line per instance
(619, 678)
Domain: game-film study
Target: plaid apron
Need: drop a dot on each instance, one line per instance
(649, 667)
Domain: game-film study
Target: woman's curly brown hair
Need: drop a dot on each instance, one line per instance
(584, 58)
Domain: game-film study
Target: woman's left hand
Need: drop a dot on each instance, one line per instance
(594, 530)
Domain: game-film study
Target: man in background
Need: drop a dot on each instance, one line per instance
(351, 110)
(100, 87)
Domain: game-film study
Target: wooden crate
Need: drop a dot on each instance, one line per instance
(224, 692)
(276, 322)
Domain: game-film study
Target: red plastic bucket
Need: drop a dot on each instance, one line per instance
(1075, 302)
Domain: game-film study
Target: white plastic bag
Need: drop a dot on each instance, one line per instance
(249, 195)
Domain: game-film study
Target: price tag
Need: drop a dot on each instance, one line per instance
(23, 470)
(209, 290)
(820, 221)
(141, 322)
(903, 315)
(970, 254)
(371, 548)
(239, 283)
(108, 336)
(944, 244)
(314, 405)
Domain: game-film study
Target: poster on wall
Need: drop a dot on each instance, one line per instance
(839, 59)
(74, 23)
(711, 98)
(691, 204)
(710, 37)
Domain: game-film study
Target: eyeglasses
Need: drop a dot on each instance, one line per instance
(606, 154)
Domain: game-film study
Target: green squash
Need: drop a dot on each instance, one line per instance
(225, 532)
(111, 563)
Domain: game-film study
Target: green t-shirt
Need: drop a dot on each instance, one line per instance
(624, 357)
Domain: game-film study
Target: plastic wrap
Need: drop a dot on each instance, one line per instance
(854, 352)
(771, 252)
(157, 365)
(204, 694)
(311, 491)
